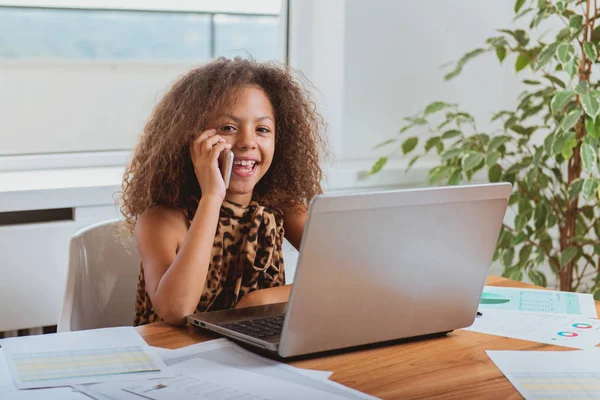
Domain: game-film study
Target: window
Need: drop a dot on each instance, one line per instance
(83, 76)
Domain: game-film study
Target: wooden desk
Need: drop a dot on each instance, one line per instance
(451, 367)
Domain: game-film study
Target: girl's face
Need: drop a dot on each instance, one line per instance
(249, 126)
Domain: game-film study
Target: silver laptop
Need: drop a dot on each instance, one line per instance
(376, 267)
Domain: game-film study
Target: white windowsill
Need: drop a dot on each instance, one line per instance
(36, 182)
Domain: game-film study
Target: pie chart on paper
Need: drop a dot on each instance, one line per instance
(493, 298)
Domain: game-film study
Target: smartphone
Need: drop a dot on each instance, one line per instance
(226, 166)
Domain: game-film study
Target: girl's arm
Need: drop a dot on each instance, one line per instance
(175, 259)
(293, 223)
(175, 274)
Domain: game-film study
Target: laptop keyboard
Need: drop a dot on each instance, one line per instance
(258, 328)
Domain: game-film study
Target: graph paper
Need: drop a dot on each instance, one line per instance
(580, 385)
(551, 374)
(84, 363)
(65, 359)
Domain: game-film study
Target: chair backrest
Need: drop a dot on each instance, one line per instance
(102, 279)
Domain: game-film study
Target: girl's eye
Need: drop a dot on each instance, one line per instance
(228, 128)
(263, 130)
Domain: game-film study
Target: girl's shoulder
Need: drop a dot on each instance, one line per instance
(163, 218)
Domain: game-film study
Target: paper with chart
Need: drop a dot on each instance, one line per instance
(80, 357)
(226, 352)
(538, 301)
(171, 357)
(561, 330)
(229, 354)
(9, 391)
(202, 379)
(551, 374)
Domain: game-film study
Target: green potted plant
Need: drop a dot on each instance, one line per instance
(547, 146)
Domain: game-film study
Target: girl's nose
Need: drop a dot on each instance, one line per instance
(246, 139)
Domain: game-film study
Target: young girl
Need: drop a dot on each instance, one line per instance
(204, 247)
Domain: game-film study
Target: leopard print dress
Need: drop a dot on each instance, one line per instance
(246, 256)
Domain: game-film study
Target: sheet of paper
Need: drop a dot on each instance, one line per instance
(561, 330)
(200, 379)
(168, 354)
(65, 359)
(225, 352)
(538, 301)
(8, 390)
(551, 374)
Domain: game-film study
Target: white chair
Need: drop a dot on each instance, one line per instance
(102, 279)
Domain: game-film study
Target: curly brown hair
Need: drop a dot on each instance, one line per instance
(161, 171)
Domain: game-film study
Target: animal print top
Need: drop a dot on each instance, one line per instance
(246, 256)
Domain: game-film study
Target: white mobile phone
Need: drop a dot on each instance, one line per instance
(226, 166)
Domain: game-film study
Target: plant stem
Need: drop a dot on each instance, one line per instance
(574, 167)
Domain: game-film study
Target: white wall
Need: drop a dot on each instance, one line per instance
(65, 107)
(394, 50)
(388, 55)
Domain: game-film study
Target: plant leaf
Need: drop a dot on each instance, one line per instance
(555, 80)
(501, 53)
(538, 278)
(522, 62)
(546, 55)
(565, 53)
(412, 162)
(471, 160)
(539, 216)
(518, 5)
(508, 256)
(575, 189)
(498, 141)
(592, 126)
(582, 87)
(588, 156)
(461, 63)
(450, 134)
(456, 178)
(409, 144)
(590, 51)
(560, 100)
(495, 173)
(590, 104)
(590, 185)
(568, 255)
(571, 68)
(517, 275)
(571, 119)
(524, 254)
(451, 153)
(576, 22)
(558, 143)
(520, 221)
(378, 165)
(492, 157)
(431, 142)
(567, 148)
(390, 141)
(435, 107)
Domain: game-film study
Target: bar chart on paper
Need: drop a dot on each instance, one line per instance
(57, 365)
(576, 385)
(551, 374)
(538, 301)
